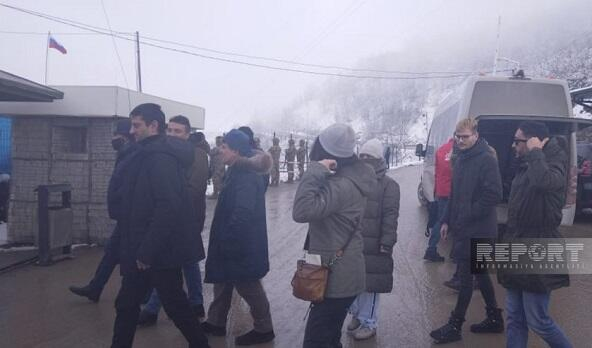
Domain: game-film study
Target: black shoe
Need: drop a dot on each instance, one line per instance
(433, 256)
(147, 319)
(212, 329)
(451, 332)
(454, 284)
(254, 337)
(199, 310)
(494, 323)
(86, 291)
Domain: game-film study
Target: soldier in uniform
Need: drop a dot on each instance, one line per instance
(301, 157)
(217, 168)
(290, 159)
(275, 151)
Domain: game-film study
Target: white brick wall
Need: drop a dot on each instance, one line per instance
(33, 164)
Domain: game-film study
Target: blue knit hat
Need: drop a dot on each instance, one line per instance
(238, 141)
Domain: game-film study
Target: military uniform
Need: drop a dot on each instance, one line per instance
(275, 151)
(301, 158)
(217, 168)
(290, 159)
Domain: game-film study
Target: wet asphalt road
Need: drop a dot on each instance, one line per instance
(36, 309)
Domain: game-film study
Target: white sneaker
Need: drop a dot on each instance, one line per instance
(354, 324)
(364, 333)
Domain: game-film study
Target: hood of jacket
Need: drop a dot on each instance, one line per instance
(362, 175)
(181, 149)
(379, 166)
(260, 162)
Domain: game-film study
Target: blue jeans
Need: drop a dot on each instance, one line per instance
(194, 289)
(435, 234)
(365, 309)
(531, 310)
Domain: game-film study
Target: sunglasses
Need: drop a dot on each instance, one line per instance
(517, 141)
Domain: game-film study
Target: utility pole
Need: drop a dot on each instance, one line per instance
(496, 56)
(139, 67)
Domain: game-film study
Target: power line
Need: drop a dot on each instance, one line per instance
(117, 53)
(115, 34)
(45, 34)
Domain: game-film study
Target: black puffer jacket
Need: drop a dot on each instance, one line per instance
(379, 228)
(158, 226)
(534, 210)
(476, 190)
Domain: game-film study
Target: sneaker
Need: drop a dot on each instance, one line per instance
(433, 256)
(147, 319)
(493, 323)
(213, 329)
(453, 284)
(450, 332)
(364, 333)
(86, 291)
(354, 324)
(199, 310)
(254, 337)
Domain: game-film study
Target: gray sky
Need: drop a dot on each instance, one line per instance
(343, 33)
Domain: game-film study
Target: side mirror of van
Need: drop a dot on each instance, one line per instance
(419, 152)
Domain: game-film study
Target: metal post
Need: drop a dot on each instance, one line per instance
(43, 222)
(139, 67)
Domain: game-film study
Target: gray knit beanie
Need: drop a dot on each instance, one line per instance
(373, 148)
(338, 140)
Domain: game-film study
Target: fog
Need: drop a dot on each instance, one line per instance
(405, 36)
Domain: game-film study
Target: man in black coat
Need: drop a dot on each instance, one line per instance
(126, 148)
(157, 229)
(536, 199)
(476, 190)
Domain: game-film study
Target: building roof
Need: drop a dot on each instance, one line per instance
(17, 89)
(102, 101)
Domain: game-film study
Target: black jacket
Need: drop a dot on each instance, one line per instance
(476, 190)
(158, 227)
(379, 228)
(116, 188)
(536, 199)
(238, 250)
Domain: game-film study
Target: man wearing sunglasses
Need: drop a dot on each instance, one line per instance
(476, 190)
(536, 199)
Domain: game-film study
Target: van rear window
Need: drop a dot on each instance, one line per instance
(518, 98)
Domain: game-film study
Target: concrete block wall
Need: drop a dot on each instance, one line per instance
(37, 159)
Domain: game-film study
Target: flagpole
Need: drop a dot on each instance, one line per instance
(46, 56)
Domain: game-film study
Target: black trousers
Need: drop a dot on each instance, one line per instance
(169, 285)
(325, 320)
(466, 288)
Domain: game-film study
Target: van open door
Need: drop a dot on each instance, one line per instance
(499, 131)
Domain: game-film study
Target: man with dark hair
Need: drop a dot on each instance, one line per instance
(124, 144)
(158, 232)
(199, 140)
(197, 176)
(471, 213)
(536, 199)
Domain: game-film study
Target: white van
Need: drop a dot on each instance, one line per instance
(501, 104)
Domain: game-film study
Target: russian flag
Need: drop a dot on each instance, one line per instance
(54, 44)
